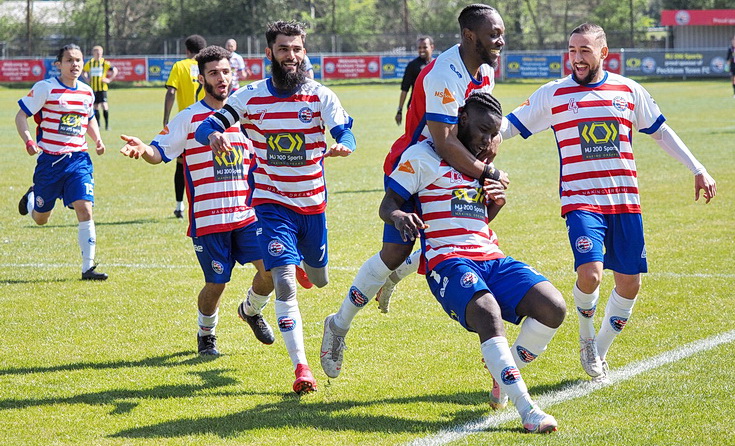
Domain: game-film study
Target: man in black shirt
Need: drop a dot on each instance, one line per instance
(425, 47)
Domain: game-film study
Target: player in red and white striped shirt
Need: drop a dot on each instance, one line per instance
(476, 284)
(285, 116)
(62, 108)
(221, 223)
(593, 114)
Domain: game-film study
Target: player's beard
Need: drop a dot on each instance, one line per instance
(587, 79)
(288, 80)
(209, 88)
(485, 55)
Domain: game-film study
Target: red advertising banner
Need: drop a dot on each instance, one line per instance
(255, 68)
(350, 67)
(612, 63)
(25, 70)
(130, 70)
(705, 17)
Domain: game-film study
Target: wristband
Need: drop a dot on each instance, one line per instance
(400, 110)
(31, 143)
(489, 171)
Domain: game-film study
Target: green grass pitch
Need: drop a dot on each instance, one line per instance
(114, 363)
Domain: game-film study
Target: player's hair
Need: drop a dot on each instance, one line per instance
(212, 53)
(195, 43)
(97, 46)
(65, 48)
(290, 28)
(590, 28)
(474, 15)
(484, 100)
(422, 38)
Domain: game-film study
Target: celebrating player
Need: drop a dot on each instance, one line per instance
(62, 107)
(221, 224)
(439, 93)
(477, 285)
(285, 116)
(593, 113)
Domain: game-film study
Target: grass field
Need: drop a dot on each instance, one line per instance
(114, 362)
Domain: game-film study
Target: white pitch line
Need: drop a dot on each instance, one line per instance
(577, 390)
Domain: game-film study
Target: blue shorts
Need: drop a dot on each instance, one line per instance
(286, 237)
(621, 236)
(390, 233)
(67, 176)
(456, 280)
(218, 252)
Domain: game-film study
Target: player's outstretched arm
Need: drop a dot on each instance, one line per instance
(338, 150)
(408, 224)
(135, 148)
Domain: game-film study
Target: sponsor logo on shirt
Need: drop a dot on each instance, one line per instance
(165, 131)
(446, 96)
(286, 149)
(599, 139)
(453, 68)
(406, 167)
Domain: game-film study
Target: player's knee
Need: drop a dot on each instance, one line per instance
(284, 282)
(589, 277)
(394, 254)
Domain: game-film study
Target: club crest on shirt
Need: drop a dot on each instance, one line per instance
(620, 103)
(275, 248)
(583, 244)
(306, 115)
(468, 279)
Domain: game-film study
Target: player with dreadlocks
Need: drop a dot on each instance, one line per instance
(476, 284)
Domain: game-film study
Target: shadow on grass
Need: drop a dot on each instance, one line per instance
(37, 280)
(170, 360)
(295, 412)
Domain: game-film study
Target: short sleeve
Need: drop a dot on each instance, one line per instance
(172, 139)
(441, 101)
(34, 100)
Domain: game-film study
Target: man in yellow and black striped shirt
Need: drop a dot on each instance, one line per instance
(98, 73)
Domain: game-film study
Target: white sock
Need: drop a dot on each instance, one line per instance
(87, 239)
(370, 277)
(31, 202)
(617, 312)
(207, 324)
(586, 304)
(291, 327)
(532, 340)
(180, 206)
(408, 267)
(255, 303)
(499, 361)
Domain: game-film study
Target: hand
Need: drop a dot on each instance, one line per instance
(32, 148)
(105, 80)
(100, 147)
(494, 192)
(219, 143)
(399, 117)
(337, 150)
(133, 147)
(706, 183)
(408, 225)
(504, 180)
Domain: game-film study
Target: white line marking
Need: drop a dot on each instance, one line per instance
(577, 390)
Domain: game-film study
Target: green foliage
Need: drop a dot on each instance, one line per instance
(113, 363)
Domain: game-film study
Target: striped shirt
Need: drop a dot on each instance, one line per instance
(451, 204)
(288, 135)
(61, 114)
(438, 95)
(593, 125)
(216, 187)
(97, 70)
